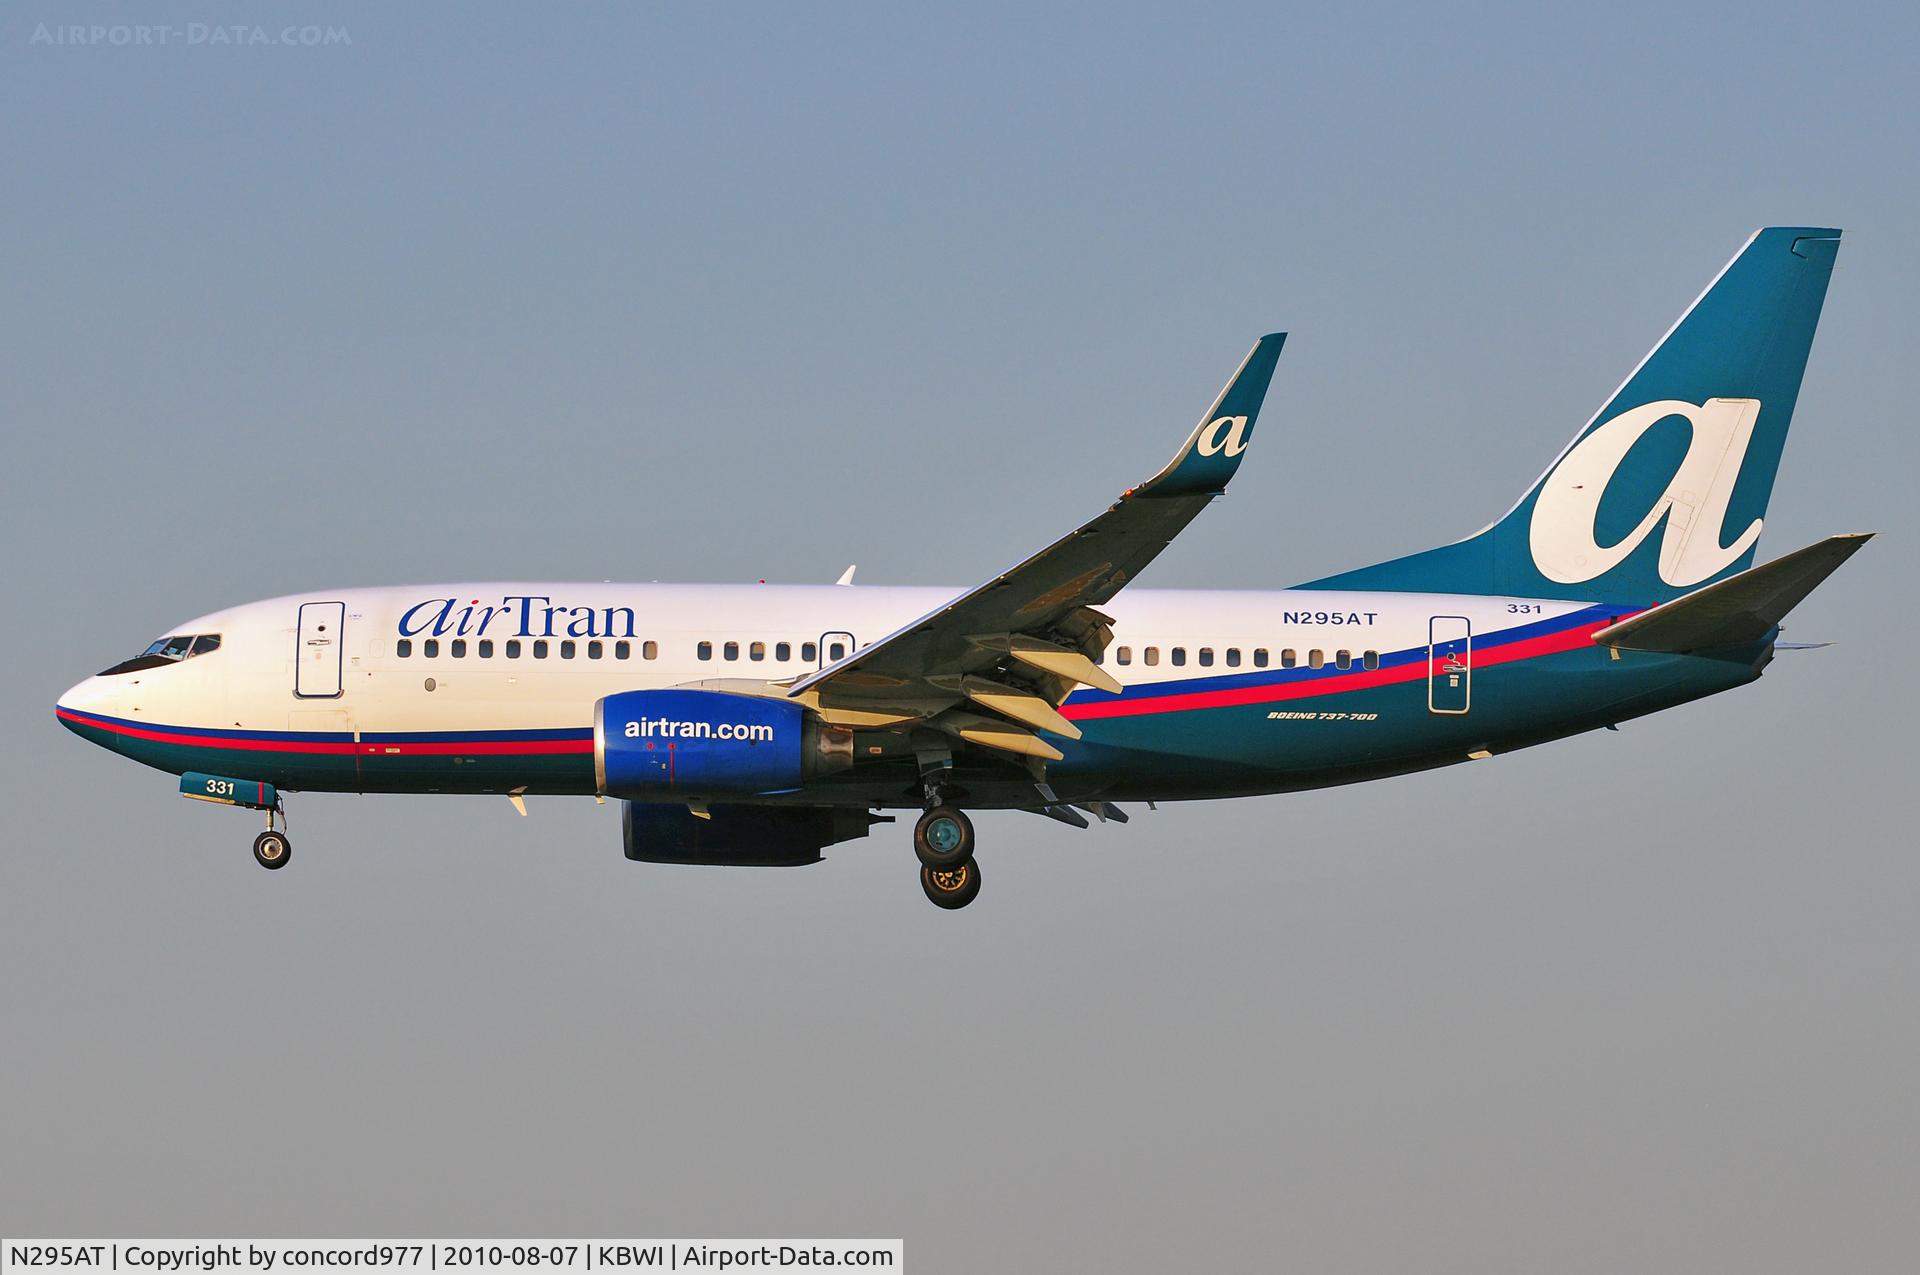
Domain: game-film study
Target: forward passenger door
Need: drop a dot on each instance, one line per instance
(319, 650)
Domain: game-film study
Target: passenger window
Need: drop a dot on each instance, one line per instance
(837, 651)
(622, 650)
(566, 649)
(1123, 655)
(486, 648)
(1233, 657)
(1152, 655)
(757, 651)
(1316, 658)
(403, 648)
(1259, 657)
(704, 650)
(1288, 659)
(1206, 657)
(783, 651)
(1179, 656)
(206, 642)
(513, 648)
(809, 652)
(649, 650)
(1369, 659)
(596, 649)
(430, 648)
(731, 650)
(540, 649)
(458, 648)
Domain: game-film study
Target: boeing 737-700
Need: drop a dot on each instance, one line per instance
(759, 724)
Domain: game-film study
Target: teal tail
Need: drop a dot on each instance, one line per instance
(1665, 489)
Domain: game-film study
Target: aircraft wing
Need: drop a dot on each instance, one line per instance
(993, 665)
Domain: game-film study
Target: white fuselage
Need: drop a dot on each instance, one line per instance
(761, 632)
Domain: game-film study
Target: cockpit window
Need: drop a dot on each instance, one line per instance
(168, 650)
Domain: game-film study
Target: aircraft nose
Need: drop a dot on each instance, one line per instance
(82, 699)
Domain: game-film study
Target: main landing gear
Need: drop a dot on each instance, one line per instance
(271, 849)
(944, 837)
(943, 840)
(951, 887)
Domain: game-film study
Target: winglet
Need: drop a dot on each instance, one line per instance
(1212, 451)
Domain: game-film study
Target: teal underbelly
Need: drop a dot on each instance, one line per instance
(557, 761)
(1226, 736)
(1280, 739)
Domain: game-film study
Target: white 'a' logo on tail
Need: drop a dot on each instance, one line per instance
(1226, 434)
(1694, 502)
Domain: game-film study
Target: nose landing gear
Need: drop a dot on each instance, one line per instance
(271, 849)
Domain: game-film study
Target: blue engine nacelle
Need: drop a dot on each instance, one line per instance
(654, 744)
(737, 836)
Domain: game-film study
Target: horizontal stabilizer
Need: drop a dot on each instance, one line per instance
(1742, 608)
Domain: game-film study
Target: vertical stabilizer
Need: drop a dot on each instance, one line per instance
(1666, 487)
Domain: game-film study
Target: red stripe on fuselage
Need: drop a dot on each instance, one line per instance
(490, 747)
(1307, 688)
(434, 748)
(1228, 697)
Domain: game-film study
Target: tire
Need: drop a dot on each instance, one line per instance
(936, 883)
(271, 850)
(943, 838)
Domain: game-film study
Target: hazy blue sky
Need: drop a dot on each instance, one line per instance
(731, 291)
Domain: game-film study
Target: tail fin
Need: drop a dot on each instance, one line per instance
(1665, 488)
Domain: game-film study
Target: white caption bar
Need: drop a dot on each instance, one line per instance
(461, 1257)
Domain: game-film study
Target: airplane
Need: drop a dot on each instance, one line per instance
(759, 724)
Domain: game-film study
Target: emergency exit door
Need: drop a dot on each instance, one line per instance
(319, 649)
(835, 647)
(1449, 664)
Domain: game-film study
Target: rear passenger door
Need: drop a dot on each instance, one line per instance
(1449, 664)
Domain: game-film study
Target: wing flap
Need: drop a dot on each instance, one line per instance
(997, 734)
(1022, 706)
(1051, 657)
